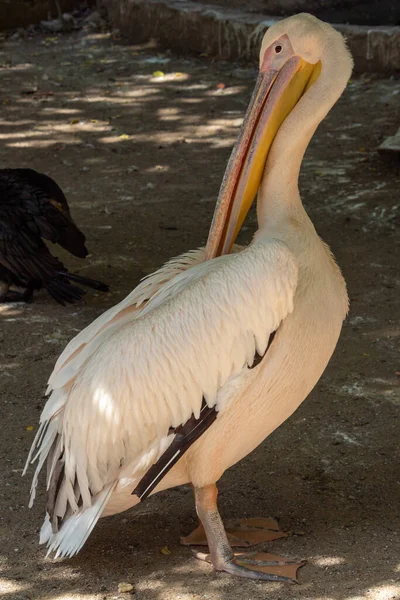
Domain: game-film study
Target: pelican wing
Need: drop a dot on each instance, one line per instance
(82, 346)
(153, 373)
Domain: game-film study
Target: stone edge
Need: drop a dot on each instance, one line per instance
(231, 34)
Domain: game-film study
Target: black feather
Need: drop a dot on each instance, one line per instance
(185, 435)
(92, 283)
(33, 208)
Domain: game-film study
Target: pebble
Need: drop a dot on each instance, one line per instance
(124, 588)
(54, 26)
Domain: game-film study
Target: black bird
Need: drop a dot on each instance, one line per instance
(33, 208)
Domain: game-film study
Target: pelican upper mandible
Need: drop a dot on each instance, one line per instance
(210, 354)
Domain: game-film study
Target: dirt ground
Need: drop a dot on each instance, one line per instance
(140, 159)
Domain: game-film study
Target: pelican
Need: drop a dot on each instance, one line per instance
(210, 354)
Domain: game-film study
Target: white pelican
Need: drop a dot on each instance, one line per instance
(206, 357)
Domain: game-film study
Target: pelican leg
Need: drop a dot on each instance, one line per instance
(254, 565)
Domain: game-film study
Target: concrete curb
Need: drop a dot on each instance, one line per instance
(232, 34)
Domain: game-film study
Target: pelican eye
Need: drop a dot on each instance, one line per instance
(278, 49)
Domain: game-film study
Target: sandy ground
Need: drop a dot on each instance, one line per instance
(140, 159)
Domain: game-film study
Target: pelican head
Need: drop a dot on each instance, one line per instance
(296, 54)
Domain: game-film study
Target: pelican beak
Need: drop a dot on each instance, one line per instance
(275, 95)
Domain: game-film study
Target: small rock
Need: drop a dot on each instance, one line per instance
(391, 145)
(30, 90)
(94, 21)
(93, 17)
(54, 26)
(68, 18)
(124, 588)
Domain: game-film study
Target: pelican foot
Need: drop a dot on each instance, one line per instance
(257, 565)
(243, 533)
(246, 532)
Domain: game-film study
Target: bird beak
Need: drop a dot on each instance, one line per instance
(275, 95)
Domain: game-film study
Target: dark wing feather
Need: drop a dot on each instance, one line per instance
(185, 436)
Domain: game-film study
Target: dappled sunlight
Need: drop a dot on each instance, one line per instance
(60, 111)
(170, 114)
(191, 100)
(8, 587)
(35, 143)
(78, 596)
(227, 91)
(143, 93)
(12, 310)
(129, 92)
(328, 561)
(140, 158)
(112, 139)
(169, 77)
(17, 123)
(105, 403)
(14, 69)
(381, 592)
(227, 143)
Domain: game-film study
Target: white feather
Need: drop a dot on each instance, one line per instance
(76, 529)
(132, 374)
